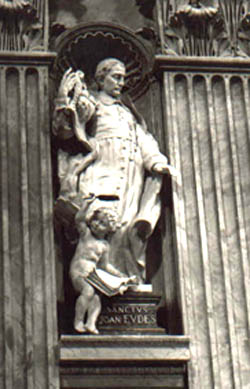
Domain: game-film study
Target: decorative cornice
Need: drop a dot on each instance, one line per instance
(27, 58)
(201, 64)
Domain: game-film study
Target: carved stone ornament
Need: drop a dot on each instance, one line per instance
(86, 45)
(23, 25)
(205, 28)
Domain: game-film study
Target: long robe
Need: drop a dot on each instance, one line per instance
(125, 152)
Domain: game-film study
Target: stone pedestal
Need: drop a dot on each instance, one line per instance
(123, 361)
(28, 340)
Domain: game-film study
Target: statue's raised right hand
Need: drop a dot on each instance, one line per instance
(67, 83)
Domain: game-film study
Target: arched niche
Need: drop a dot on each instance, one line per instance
(84, 46)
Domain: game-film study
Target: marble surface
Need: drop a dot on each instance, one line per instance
(124, 347)
(208, 127)
(123, 361)
(207, 133)
(28, 312)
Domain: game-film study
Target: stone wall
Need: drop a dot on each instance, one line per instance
(197, 106)
(207, 122)
(28, 310)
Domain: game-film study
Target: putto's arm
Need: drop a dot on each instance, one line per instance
(105, 265)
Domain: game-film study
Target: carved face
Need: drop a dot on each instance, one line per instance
(114, 81)
(99, 226)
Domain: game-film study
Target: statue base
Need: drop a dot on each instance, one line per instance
(134, 312)
(123, 361)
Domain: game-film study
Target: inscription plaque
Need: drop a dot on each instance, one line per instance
(130, 313)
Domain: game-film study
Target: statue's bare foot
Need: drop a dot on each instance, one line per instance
(92, 329)
(79, 326)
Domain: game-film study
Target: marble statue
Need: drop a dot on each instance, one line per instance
(109, 153)
(95, 225)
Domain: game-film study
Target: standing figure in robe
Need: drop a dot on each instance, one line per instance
(115, 159)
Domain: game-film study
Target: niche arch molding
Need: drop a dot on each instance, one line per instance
(84, 46)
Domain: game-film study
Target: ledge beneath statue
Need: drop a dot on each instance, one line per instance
(124, 347)
(123, 361)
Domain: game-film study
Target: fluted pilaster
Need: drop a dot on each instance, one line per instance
(28, 312)
(208, 127)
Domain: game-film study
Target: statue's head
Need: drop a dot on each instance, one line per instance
(110, 75)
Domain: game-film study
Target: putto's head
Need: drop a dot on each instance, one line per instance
(109, 75)
(102, 221)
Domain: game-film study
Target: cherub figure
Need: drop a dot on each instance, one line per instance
(92, 252)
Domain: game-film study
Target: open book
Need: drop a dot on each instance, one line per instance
(109, 284)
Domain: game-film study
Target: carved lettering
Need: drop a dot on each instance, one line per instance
(128, 309)
(128, 319)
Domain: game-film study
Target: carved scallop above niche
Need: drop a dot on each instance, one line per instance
(84, 46)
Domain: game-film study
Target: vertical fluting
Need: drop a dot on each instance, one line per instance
(6, 258)
(240, 164)
(194, 215)
(219, 256)
(222, 164)
(27, 268)
(178, 127)
(198, 114)
(36, 229)
(14, 263)
(48, 239)
(178, 196)
(28, 314)
(2, 205)
(208, 137)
